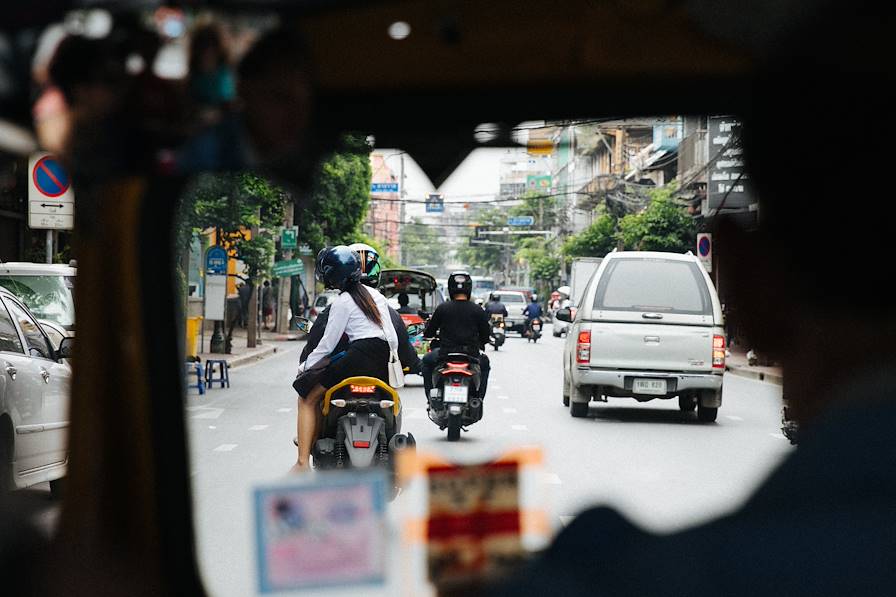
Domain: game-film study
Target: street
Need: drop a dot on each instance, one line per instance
(655, 464)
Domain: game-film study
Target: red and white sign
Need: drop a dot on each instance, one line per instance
(51, 201)
(704, 249)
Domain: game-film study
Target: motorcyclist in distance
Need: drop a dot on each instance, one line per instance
(495, 306)
(462, 326)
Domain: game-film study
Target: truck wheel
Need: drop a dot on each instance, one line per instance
(578, 409)
(687, 402)
(707, 414)
(565, 391)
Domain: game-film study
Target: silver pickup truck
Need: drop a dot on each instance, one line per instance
(649, 326)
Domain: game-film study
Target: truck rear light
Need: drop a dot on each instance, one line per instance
(718, 352)
(583, 347)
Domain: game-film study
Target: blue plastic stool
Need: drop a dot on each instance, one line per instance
(223, 372)
(200, 374)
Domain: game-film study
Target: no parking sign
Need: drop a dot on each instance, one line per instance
(51, 201)
(704, 249)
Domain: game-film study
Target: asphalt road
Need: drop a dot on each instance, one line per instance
(658, 466)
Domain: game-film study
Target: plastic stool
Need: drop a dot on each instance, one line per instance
(223, 372)
(200, 374)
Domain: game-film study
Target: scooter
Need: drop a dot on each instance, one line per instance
(533, 330)
(454, 398)
(498, 334)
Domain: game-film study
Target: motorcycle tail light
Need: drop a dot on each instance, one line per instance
(362, 389)
(583, 347)
(718, 352)
(360, 444)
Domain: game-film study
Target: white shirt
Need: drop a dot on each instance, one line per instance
(347, 318)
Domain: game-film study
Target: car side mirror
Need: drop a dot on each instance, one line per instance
(564, 315)
(66, 348)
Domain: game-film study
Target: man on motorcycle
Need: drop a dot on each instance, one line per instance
(462, 326)
(370, 266)
(495, 306)
(532, 311)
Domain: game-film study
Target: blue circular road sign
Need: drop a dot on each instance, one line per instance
(703, 246)
(49, 177)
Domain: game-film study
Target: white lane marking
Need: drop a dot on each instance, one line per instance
(734, 418)
(212, 427)
(284, 410)
(503, 397)
(258, 427)
(224, 448)
(494, 387)
(519, 428)
(510, 411)
(565, 520)
(552, 479)
(209, 413)
(777, 436)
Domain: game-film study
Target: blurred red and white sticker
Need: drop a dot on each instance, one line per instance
(329, 530)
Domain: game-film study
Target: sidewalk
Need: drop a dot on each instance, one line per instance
(736, 364)
(240, 355)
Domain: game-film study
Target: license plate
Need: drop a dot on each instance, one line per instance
(649, 386)
(456, 394)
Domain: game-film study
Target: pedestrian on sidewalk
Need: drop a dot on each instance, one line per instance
(267, 301)
(244, 291)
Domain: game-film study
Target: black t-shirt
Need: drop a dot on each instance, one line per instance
(496, 308)
(462, 326)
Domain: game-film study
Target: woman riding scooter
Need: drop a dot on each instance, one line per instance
(362, 314)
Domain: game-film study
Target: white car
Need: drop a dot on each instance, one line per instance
(34, 399)
(47, 289)
(649, 326)
(321, 302)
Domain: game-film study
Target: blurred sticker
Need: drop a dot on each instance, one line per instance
(327, 530)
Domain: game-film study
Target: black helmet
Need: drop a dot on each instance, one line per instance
(493, 297)
(370, 263)
(460, 283)
(337, 267)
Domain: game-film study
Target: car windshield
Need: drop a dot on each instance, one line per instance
(663, 285)
(48, 297)
(511, 298)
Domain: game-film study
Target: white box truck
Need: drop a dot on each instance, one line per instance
(582, 270)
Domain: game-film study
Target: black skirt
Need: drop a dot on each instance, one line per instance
(367, 356)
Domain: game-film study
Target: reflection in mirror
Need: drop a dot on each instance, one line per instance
(303, 324)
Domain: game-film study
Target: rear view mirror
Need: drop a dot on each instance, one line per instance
(564, 315)
(66, 348)
(303, 324)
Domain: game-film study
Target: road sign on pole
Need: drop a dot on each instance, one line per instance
(384, 187)
(215, 283)
(435, 204)
(287, 268)
(520, 220)
(51, 201)
(289, 238)
(704, 249)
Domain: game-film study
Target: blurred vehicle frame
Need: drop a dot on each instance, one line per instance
(127, 525)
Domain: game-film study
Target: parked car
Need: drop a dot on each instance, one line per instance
(649, 325)
(515, 301)
(561, 327)
(321, 302)
(34, 399)
(47, 289)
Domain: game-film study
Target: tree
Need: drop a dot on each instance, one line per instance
(337, 204)
(595, 241)
(543, 209)
(420, 244)
(662, 226)
(489, 258)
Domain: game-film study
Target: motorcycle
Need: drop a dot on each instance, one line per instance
(533, 330)
(454, 398)
(498, 333)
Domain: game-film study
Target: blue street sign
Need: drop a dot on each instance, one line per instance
(520, 220)
(216, 261)
(384, 187)
(435, 204)
(50, 178)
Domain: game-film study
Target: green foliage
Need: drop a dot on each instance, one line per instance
(544, 264)
(662, 226)
(339, 198)
(595, 241)
(544, 208)
(386, 262)
(232, 204)
(487, 258)
(420, 244)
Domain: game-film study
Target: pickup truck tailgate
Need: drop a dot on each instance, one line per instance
(651, 346)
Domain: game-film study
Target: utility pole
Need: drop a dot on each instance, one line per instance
(285, 282)
(252, 326)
